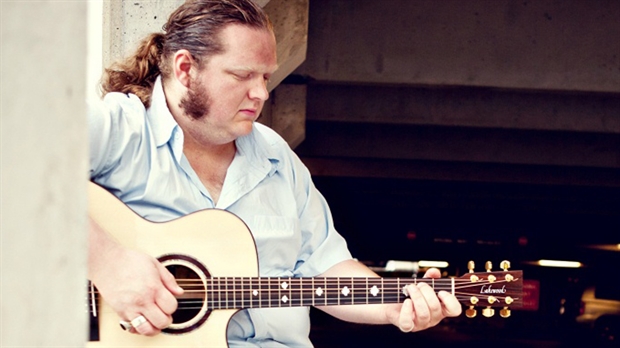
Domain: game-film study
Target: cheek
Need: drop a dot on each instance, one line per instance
(229, 97)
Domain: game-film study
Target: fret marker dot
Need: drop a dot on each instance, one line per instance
(284, 299)
(284, 285)
(255, 292)
(346, 291)
(374, 291)
(319, 291)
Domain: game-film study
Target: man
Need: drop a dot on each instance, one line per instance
(176, 133)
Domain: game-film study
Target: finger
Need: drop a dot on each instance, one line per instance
(166, 301)
(432, 303)
(422, 315)
(168, 280)
(451, 307)
(405, 320)
(157, 319)
(428, 310)
(432, 273)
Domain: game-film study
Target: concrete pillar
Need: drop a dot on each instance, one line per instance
(43, 174)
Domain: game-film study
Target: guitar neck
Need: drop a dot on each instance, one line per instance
(261, 292)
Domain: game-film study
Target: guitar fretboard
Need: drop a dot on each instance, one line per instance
(242, 292)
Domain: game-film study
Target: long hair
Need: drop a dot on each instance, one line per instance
(194, 26)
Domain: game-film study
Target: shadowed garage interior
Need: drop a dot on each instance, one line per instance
(467, 130)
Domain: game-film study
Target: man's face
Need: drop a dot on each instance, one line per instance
(228, 94)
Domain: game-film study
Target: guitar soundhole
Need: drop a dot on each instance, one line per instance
(191, 275)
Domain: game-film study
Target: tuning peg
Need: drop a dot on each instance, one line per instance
(504, 313)
(488, 312)
(505, 265)
(471, 266)
(471, 312)
(488, 266)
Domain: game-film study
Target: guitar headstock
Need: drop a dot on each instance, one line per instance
(490, 289)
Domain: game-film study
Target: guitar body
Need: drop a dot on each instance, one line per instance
(205, 236)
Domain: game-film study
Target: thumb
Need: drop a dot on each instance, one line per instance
(169, 281)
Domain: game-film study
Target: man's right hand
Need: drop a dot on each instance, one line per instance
(132, 283)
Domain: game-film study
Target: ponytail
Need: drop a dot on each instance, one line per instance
(136, 74)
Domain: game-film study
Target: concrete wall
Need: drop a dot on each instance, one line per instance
(43, 174)
(540, 45)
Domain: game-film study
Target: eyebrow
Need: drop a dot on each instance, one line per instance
(250, 69)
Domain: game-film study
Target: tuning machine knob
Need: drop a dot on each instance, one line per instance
(488, 312)
(504, 312)
(488, 266)
(470, 312)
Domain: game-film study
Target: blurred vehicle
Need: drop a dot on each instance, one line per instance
(599, 313)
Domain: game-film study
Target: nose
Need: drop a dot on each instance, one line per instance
(259, 90)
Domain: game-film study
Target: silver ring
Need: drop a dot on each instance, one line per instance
(138, 321)
(125, 325)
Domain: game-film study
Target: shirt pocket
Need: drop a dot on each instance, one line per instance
(278, 241)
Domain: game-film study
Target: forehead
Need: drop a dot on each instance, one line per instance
(248, 48)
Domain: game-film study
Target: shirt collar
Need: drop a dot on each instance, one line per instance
(259, 151)
(162, 122)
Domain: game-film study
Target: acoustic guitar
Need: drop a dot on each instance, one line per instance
(213, 257)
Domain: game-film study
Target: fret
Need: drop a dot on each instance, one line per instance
(274, 296)
(296, 292)
(313, 295)
(308, 292)
(321, 291)
(209, 293)
(229, 295)
(246, 293)
(452, 284)
(345, 291)
(359, 290)
(279, 294)
(374, 291)
(219, 293)
(234, 294)
(382, 291)
(331, 291)
(253, 292)
(264, 293)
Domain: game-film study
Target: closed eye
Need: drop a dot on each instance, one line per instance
(242, 76)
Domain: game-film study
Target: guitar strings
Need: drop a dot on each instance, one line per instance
(391, 291)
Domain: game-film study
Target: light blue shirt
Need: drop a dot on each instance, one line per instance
(137, 154)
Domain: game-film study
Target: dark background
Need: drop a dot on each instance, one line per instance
(469, 130)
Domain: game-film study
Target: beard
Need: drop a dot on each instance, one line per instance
(196, 102)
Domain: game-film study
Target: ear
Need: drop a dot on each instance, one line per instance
(182, 64)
